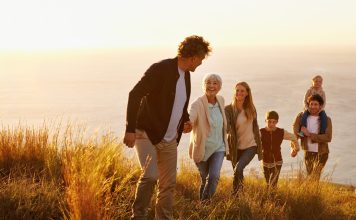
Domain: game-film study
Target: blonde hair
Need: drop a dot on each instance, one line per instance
(248, 106)
(317, 77)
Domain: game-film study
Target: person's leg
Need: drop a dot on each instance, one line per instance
(235, 185)
(267, 173)
(308, 162)
(147, 156)
(320, 164)
(323, 122)
(203, 171)
(167, 172)
(275, 175)
(310, 159)
(245, 158)
(304, 121)
(215, 162)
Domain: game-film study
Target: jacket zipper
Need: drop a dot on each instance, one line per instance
(274, 160)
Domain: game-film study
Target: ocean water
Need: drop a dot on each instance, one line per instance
(92, 86)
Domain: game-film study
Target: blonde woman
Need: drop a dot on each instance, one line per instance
(208, 142)
(243, 132)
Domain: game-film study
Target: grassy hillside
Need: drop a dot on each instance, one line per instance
(61, 173)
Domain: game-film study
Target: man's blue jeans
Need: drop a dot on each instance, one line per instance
(210, 174)
(245, 157)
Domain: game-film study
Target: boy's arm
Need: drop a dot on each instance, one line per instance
(294, 141)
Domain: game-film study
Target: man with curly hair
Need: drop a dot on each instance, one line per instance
(156, 117)
(314, 142)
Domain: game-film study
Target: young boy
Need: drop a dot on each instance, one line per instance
(316, 88)
(272, 138)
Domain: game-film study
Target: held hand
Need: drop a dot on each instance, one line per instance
(293, 153)
(129, 139)
(305, 131)
(187, 127)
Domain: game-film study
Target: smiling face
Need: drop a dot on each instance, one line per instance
(240, 93)
(314, 107)
(212, 86)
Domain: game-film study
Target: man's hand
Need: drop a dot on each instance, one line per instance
(129, 139)
(305, 131)
(187, 127)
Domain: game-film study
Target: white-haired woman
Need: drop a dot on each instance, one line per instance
(208, 142)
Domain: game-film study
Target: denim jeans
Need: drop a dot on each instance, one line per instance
(210, 174)
(244, 158)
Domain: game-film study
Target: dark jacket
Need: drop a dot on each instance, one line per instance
(233, 137)
(151, 101)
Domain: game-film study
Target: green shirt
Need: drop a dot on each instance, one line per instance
(215, 140)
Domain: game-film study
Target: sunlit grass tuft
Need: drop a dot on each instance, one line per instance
(64, 173)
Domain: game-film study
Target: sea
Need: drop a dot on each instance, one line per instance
(91, 86)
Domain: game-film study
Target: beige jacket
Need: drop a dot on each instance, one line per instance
(199, 117)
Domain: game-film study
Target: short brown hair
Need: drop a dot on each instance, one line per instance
(272, 115)
(317, 98)
(194, 46)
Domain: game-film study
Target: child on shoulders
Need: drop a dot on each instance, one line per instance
(316, 88)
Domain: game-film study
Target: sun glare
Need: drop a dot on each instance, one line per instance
(46, 24)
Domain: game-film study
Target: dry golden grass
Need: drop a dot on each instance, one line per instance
(293, 199)
(63, 173)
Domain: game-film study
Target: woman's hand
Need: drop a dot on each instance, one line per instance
(293, 153)
(187, 127)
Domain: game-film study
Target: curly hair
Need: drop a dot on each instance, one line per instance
(194, 46)
(317, 98)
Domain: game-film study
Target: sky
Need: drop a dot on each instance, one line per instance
(52, 24)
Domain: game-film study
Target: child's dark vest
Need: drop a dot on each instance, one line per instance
(271, 144)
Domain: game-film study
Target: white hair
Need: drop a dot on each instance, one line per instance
(211, 76)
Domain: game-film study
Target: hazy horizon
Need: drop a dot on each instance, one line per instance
(92, 87)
